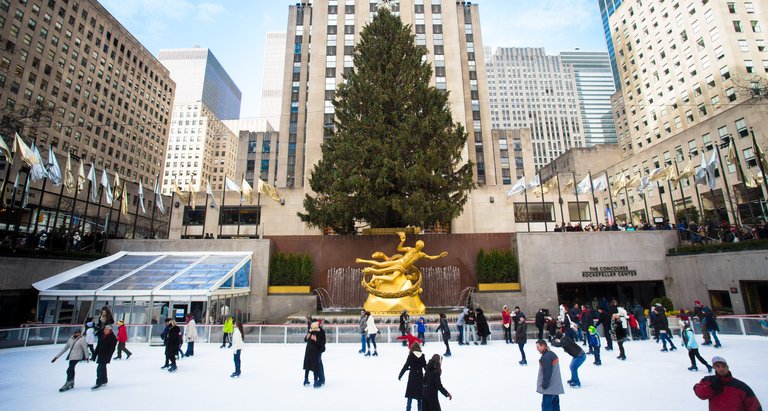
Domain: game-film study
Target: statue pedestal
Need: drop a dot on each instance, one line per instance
(379, 305)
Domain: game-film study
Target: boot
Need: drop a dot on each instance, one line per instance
(448, 354)
(709, 368)
(375, 353)
(67, 386)
(368, 354)
(306, 382)
(598, 363)
(523, 362)
(235, 374)
(693, 368)
(172, 369)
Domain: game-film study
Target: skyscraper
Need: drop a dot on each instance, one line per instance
(594, 88)
(607, 8)
(272, 80)
(529, 89)
(200, 146)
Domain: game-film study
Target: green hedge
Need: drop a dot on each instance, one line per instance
(719, 248)
(497, 266)
(666, 302)
(290, 269)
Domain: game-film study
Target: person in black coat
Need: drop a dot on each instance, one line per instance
(445, 332)
(539, 321)
(482, 326)
(415, 365)
(102, 321)
(312, 354)
(521, 337)
(433, 384)
(404, 323)
(604, 319)
(104, 352)
(172, 340)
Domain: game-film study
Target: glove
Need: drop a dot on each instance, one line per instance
(716, 384)
(53, 360)
(399, 377)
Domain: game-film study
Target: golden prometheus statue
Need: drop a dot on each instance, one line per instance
(395, 283)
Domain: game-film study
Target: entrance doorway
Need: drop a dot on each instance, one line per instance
(603, 292)
(755, 296)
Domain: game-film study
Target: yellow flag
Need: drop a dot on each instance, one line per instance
(247, 191)
(191, 192)
(633, 182)
(69, 179)
(117, 188)
(687, 171)
(619, 184)
(5, 150)
(761, 158)
(268, 190)
(124, 200)
(732, 153)
(669, 174)
(177, 190)
(81, 178)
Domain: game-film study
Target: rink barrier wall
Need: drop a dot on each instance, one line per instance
(47, 334)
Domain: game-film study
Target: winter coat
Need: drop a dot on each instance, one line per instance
(539, 320)
(237, 339)
(190, 331)
(710, 321)
(726, 394)
(460, 322)
(517, 318)
(569, 346)
(421, 325)
(78, 350)
(106, 348)
(506, 319)
(549, 380)
(639, 312)
(363, 319)
(482, 324)
(432, 384)
(415, 365)
(660, 322)
(586, 319)
(470, 318)
(618, 330)
(623, 316)
(90, 337)
(228, 326)
(521, 333)
(101, 323)
(312, 352)
(172, 340)
(593, 339)
(370, 325)
(122, 334)
(443, 328)
(689, 339)
(404, 320)
(633, 322)
(604, 319)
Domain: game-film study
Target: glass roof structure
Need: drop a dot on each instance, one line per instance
(146, 274)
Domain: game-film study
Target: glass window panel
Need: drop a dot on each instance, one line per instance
(155, 274)
(105, 274)
(206, 273)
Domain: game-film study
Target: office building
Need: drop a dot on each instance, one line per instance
(272, 80)
(607, 8)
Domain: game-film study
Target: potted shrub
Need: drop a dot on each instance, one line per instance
(497, 270)
(290, 273)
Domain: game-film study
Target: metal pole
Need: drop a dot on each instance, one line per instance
(221, 209)
(682, 194)
(136, 215)
(170, 213)
(527, 213)
(58, 207)
(610, 198)
(755, 149)
(205, 211)
(72, 216)
(743, 180)
(576, 191)
(543, 206)
(629, 206)
(87, 202)
(119, 210)
(559, 196)
(152, 219)
(39, 206)
(185, 217)
(724, 170)
(594, 200)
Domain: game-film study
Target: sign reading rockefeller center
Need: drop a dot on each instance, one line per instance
(610, 271)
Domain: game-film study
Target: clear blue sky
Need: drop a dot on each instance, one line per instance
(235, 30)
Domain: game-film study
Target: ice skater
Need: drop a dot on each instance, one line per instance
(506, 324)
(619, 332)
(483, 331)
(433, 385)
(549, 382)
(661, 327)
(237, 345)
(78, 351)
(593, 338)
(372, 331)
(104, 352)
(122, 338)
(90, 337)
(521, 337)
(405, 321)
(172, 343)
(415, 365)
(363, 335)
(190, 332)
(104, 320)
(725, 392)
(689, 341)
(312, 355)
(577, 356)
(445, 333)
(421, 329)
(226, 332)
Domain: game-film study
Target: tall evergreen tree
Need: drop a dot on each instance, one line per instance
(394, 156)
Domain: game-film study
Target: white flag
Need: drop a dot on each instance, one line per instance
(209, 192)
(700, 177)
(27, 154)
(534, 183)
(584, 186)
(247, 193)
(158, 197)
(711, 168)
(230, 185)
(94, 184)
(52, 165)
(645, 181)
(25, 198)
(5, 150)
(600, 184)
(107, 187)
(37, 172)
(141, 198)
(518, 188)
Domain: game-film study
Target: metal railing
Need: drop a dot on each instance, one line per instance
(47, 334)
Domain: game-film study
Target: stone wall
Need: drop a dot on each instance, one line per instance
(19, 273)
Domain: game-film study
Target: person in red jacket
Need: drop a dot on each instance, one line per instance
(724, 392)
(122, 338)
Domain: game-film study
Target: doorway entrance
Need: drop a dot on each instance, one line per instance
(602, 293)
(755, 296)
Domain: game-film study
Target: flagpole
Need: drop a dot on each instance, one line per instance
(594, 201)
(629, 206)
(527, 213)
(74, 203)
(13, 199)
(119, 211)
(152, 219)
(559, 196)
(240, 208)
(724, 171)
(185, 216)
(39, 206)
(8, 167)
(98, 208)
(170, 212)
(756, 151)
(24, 191)
(136, 216)
(743, 180)
(223, 199)
(610, 198)
(258, 204)
(58, 206)
(576, 191)
(543, 206)
(205, 210)
(645, 203)
(682, 194)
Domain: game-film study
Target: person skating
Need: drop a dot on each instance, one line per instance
(593, 338)
(549, 383)
(415, 365)
(471, 327)
(321, 340)
(78, 351)
(517, 314)
(361, 328)
(586, 321)
(724, 392)
(689, 341)
(226, 332)
(460, 322)
(90, 337)
(421, 329)
(604, 319)
(661, 326)
(521, 337)
(172, 342)
(372, 331)
(700, 311)
(104, 352)
(433, 384)
(445, 333)
(642, 321)
(190, 333)
(122, 338)
(405, 321)
(483, 331)
(577, 356)
(711, 322)
(105, 319)
(506, 324)
(312, 355)
(619, 333)
(237, 346)
(539, 321)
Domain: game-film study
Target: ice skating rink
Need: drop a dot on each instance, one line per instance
(484, 378)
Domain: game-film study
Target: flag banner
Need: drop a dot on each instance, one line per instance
(6, 150)
(191, 193)
(27, 155)
(247, 193)
(117, 187)
(269, 190)
(645, 181)
(619, 184)
(52, 166)
(656, 174)
(25, 198)
(751, 180)
(609, 216)
(141, 198)
(177, 190)
(732, 153)
(600, 184)
(37, 172)
(584, 186)
(230, 185)
(761, 157)
(16, 184)
(69, 179)
(107, 187)
(158, 197)
(711, 168)
(123, 200)
(670, 174)
(569, 186)
(700, 178)
(81, 177)
(518, 188)
(94, 184)
(633, 182)
(533, 183)
(209, 192)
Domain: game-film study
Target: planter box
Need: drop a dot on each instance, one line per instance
(498, 287)
(288, 289)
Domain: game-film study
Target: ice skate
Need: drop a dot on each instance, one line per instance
(693, 368)
(67, 386)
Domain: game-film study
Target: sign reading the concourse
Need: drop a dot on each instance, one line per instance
(607, 272)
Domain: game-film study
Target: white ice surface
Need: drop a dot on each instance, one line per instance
(483, 378)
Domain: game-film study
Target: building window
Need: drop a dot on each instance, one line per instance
(737, 26)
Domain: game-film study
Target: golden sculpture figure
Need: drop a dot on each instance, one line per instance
(395, 282)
